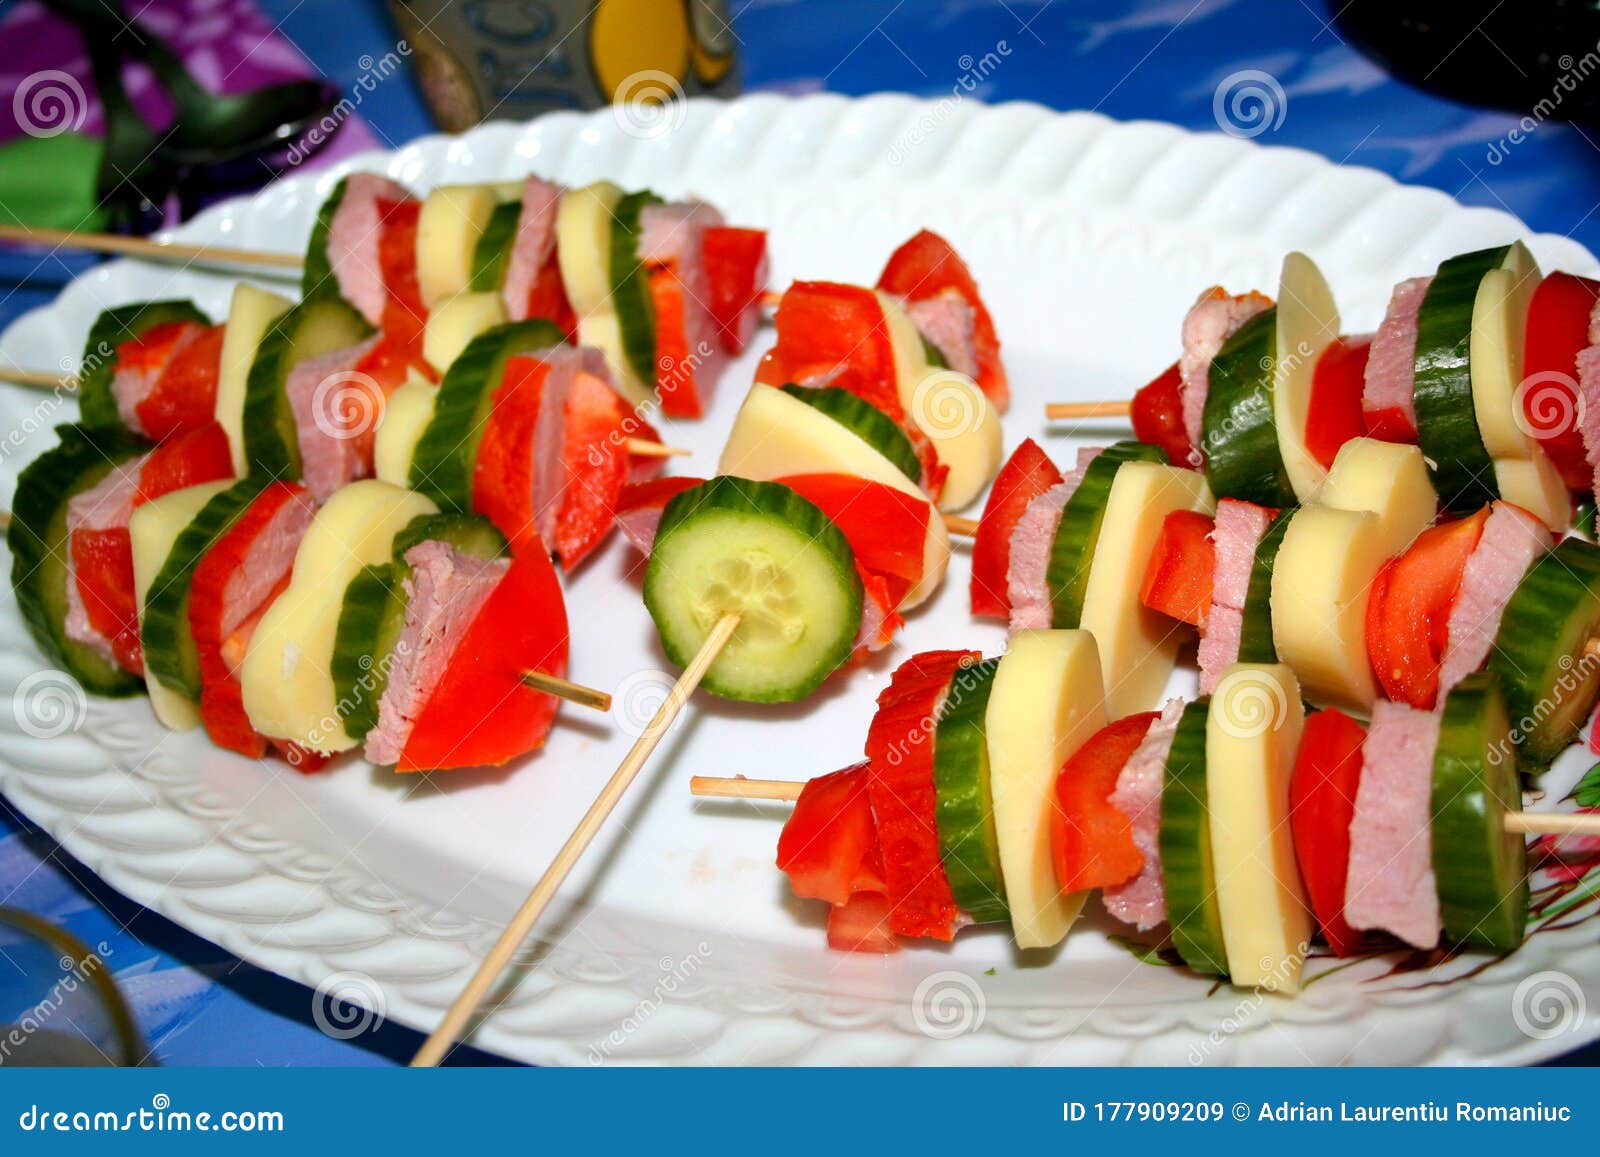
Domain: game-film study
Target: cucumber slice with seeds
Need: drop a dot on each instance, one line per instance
(169, 650)
(38, 541)
(1255, 636)
(493, 251)
(317, 326)
(759, 549)
(964, 809)
(1072, 552)
(1541, 652)
(1243, 458)
(630, 287)
(1187, 872)
(865, 421)
(1481, 869)
(98, 366)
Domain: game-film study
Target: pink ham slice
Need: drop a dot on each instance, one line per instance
(1214, 317)
(1589, 394)
(674, 235)
(1511, 540)
(354, 237)
(533, 245)
(947, 320)
(1142, 901)
(1027, 580)
(336, 412)
(550, 431)
(1390, 886)
(1392, 363)
(267, 561)
(1240, 526)
(444, 594)
(130, 386)
(108, 505)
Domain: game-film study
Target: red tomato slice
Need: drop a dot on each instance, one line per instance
(1408, 611)
(150, 352)
(1091, 842)
(675, 363)
(735, 262)
(1558, 330)
(655, 493)
(502, 473)
(900, 785)
(547, 298)
(1157, 414)
(1334, 415)
(184, 396)
(1322, 799)
(185, 460)
(221, 697)
(887, 528)
(1390, 424)
(925, 266)
(863, 925)
(1177, 579)
(404, 312)
(102, 563)
(1027, 474)
(827, 332)
(828, 835)
(481, 714)
(599, 421)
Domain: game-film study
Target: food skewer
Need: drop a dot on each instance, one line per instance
(142, 247)
(1058, 411)
(500, 956)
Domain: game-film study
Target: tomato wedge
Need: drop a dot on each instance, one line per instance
(735, 262)
(1558, 330)
(900, 786)
(481, 714)
(1157, 414)
(1091, 842)
(924, 267)
(502, 472)
(1177, 579)
(597, 465)
(834, 333)
(1322, 802)
(828, 835)
(675, 382)
(404, 314)
(863, 925)
(1408, 611)
(1027, 474)
(886, 528)
(1334, 414)
(187, 459)
(184, 396)
(102, 565)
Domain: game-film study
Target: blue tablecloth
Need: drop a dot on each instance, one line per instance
(1161, 59)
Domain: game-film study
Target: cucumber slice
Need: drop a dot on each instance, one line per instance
(758, 548)
(493, 250)
(314, 327)
(1072, 552)
(630, 287)
(1243, 458)
(38, 541)
(442, 464)
(316, 276)
(933, 355)
(1447, 421)
(96, 403)
(169, 651)
(1187, 872)
(865, 421)
(964, 809)
(1255, 635)
(1541, 653)
(469, 533)
(1481, 869)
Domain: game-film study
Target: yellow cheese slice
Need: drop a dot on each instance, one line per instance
(1496, 352)
(1138, 647)
(1536, 485)
(1307, 322)
(1320, 584)
(777, 436)
(250, 315)
(1388, 479)
(583, 250)
(288, 691)
(452, 219)
(405, 416)
(1045, 704)
(152, 530)
(1252, 733)
(456, 321)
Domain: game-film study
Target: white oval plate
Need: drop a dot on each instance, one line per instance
(676, 940)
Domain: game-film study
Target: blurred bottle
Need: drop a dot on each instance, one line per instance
(482, 60)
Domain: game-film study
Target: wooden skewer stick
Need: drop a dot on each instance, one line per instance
(788, 790)
(176, 251)
(571, 692)
(955, 524)
(1059, 410)
(460, 1011)
(646, 449)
